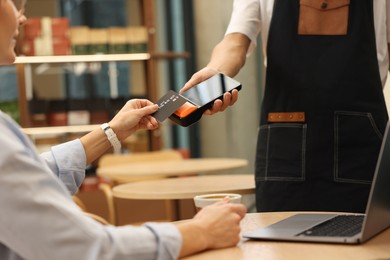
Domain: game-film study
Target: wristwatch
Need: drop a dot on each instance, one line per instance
(111, 136)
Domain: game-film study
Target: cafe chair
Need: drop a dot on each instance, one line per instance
(97, 218)
(79, 203)
(117, 159)
(83, 207)
(107, 191)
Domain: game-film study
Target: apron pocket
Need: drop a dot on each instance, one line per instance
(323, 17)
(357, 145)
(281, 149)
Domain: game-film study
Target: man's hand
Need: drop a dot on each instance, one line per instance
(219, 105)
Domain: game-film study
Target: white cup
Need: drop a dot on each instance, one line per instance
(201, 201)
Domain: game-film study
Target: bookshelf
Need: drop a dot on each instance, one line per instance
(25, 73)
(82, 58)
(25, 65)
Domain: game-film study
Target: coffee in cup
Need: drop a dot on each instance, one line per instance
(201, 201)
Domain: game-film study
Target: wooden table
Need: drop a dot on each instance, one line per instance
(377, 248)
(185, 188)
(167, 168)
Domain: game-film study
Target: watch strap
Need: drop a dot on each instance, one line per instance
(111, 136)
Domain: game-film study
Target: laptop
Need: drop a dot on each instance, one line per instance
(340, 228)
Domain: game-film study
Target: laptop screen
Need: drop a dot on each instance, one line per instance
(378, 206)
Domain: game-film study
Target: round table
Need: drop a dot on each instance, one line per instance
(167, 168)
(186, 187)
(179, 188)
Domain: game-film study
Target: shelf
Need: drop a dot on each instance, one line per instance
(39, 134)
(145, 68)
(170, 55)
(58, 130)
(82, 58)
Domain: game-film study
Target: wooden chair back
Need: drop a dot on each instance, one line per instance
(83, 207)
(117, 159)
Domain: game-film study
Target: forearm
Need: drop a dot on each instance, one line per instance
(192, 238)
(95, 144)
(133, 116)
(229, 55)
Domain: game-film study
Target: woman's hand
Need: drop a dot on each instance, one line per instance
(134, 115)
(214, 226)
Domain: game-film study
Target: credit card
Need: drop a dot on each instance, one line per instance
(168, 104)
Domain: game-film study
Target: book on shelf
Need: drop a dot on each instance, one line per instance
(137, 39)
(98, 40)
(98, 110)
(58, 115)
(79, 40)
(71, 111)
(112, 80)
(138, 80)
(117, 40)
(78, 112)
(38, 109)
(45, 36)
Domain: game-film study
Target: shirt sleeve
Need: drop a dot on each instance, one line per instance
(68, 162)
(39, 220)
(168, 240)
(245, 19)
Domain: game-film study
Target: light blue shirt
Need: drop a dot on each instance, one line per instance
(38, 219)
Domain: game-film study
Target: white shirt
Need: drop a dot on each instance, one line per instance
(39, 221)
(250, 17)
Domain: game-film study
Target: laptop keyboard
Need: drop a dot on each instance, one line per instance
(339, 226)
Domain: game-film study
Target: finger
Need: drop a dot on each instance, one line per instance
(198, 77)
(227, 199)
(234, 96)
(215, 108)
(149, 122)
(144, 102)
(239, 208)
(226, 101)
(151, 126)
(147, 110)
(144, 122)
(222, 202)
(153, 122)
(194, 80)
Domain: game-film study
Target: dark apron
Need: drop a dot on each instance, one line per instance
(327, 161)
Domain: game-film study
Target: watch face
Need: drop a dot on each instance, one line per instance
(210, 89)
(105, 126)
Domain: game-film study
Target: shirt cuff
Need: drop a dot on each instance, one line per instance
(68, 162)
(169, 240)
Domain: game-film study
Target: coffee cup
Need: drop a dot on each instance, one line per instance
(201, 201)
